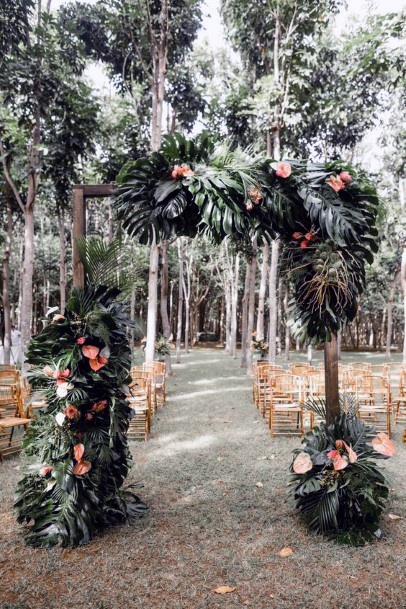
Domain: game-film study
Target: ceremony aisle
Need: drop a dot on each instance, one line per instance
(220, 515)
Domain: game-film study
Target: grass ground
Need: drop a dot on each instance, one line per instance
(210, 524)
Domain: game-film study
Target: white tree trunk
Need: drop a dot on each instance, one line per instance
(234, 307)
(152, 302)
(62, 260)
(262, 292)
(6, 282)
(251, 310)
(180, 299)
(403, 280)
(273, 317)
(244, 320)
(166, 326)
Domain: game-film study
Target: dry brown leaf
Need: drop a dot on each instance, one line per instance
(224, 589)
(285, 552)
(259, 484)
(395, 517)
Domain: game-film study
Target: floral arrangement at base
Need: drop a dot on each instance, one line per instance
(75, 452)
(335, 482)
(259, 347)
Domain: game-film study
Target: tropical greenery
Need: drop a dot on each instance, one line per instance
(320, 210)
(335, 482)
(76, 456)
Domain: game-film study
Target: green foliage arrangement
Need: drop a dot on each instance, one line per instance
(336, 483)
(260, 347)
(325, 214)
(75, 451)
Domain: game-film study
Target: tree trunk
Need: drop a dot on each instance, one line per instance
(403, 282)
(287, 329)
(251, 309)
(62, 259)
(132, 317)
(159, 55)
(181, 254)
(389, 308)
(273, 282)
(244, 318)
(166, 326)
(227, 296)
(152, 302)
(331, 379)
(262, 292)
(234, 306)
(6, 281)
(221, 324)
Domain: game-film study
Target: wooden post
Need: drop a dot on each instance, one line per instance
(331, 376)
(82, 192)
(79, 230)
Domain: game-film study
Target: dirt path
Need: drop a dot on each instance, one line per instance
(210, 524)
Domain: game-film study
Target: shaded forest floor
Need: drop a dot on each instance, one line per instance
(210, 524)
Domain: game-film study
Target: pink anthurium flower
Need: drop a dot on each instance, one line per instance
(97, 363)
(302, 463)
(90, 351)
(345, 177)
(282, 169)
(78, 452)
(383, 445)
(336, 183)
(45, 470)
(81, 340)
(48, 371)
(297, 235)
(82, 467)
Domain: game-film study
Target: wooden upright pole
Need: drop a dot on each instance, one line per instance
(331, 376)
(79, 230)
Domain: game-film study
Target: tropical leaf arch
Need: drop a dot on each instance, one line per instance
(196, 187)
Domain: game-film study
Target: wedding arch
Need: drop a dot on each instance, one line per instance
(325, 216)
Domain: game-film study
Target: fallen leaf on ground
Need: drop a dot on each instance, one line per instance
(285, 552)
(224, 589)
(395, 517)
(259, 484)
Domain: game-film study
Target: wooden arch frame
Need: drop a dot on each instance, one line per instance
(81, 193)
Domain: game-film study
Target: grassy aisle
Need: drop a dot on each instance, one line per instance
(210, 524)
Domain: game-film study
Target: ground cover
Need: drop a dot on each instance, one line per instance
(220, 515)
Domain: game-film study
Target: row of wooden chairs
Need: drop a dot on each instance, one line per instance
(147, 394)
(280, 394)
(14, 417)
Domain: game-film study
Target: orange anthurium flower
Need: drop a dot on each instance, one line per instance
(283, 169)
(82, 467)
(335, 183)
(304, 244)
(81, 340)
(345, 177)
(45, 470)
(90, 351)
(383, 445)
(97, 363)
(302, 463)
(297, 235)
(78, 451)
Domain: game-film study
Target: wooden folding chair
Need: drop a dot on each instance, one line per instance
(13, 421)
(262, 376)
(374, 401)
(286, 399)
(400, 400)
(158, 371)
(139, 401)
